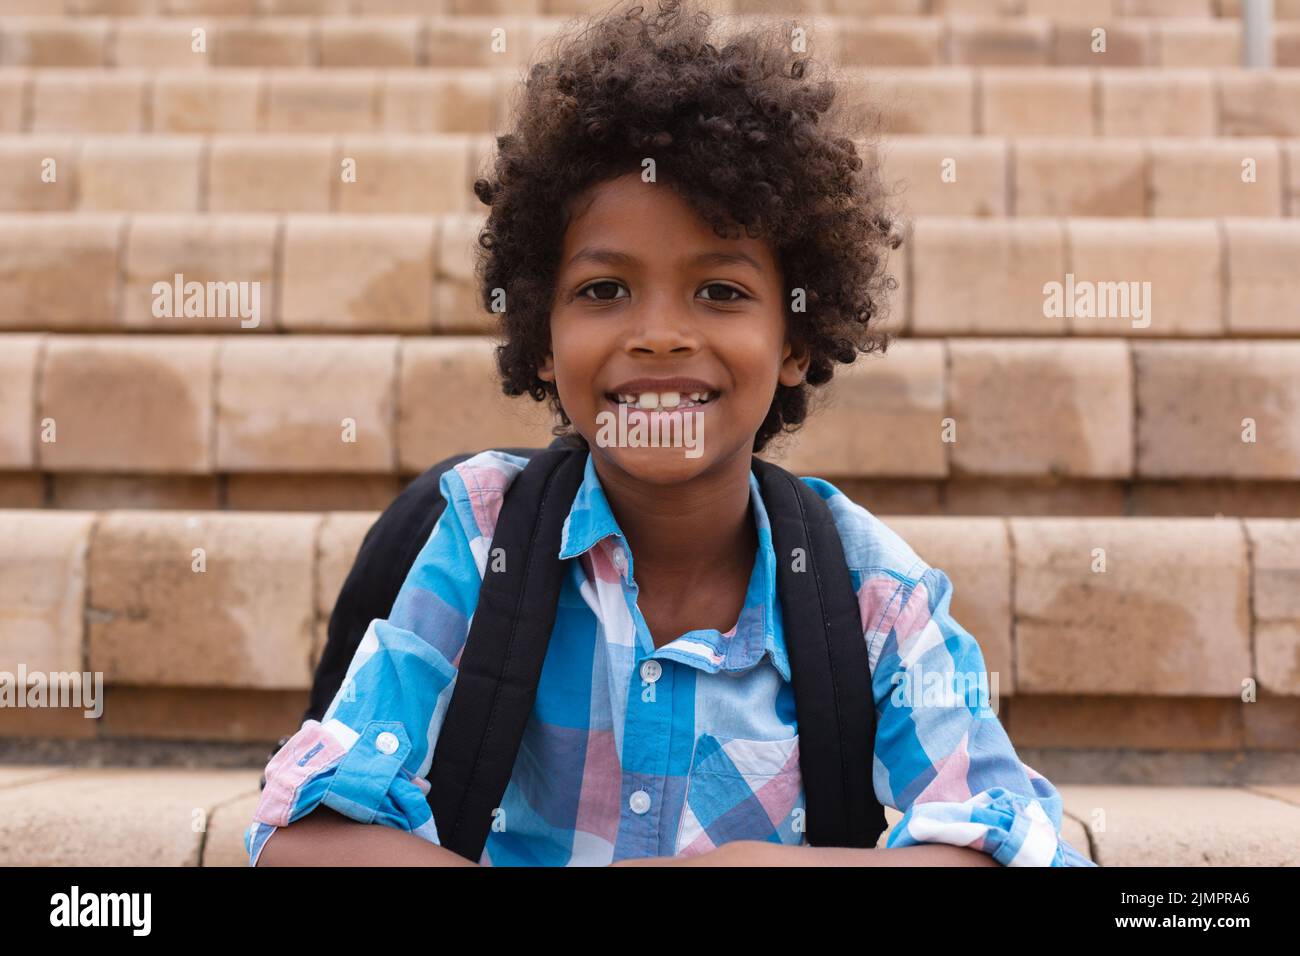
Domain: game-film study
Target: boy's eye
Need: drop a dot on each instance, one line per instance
(721, 293)
(725, 288)
(608, 284)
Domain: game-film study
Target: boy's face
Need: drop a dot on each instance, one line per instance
(647, 293)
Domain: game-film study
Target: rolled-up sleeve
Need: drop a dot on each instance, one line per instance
(942, 757)
(369, 755)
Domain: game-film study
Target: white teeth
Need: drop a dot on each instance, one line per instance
(653, 400)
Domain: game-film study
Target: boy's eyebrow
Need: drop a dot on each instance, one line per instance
(613, 257)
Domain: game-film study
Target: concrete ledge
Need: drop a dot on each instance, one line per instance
(118, 817)
(65, 816)
(128, 817)
(1188, 826)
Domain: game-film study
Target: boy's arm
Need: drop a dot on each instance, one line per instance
(369, 755)
(327, 838)
(941, 754)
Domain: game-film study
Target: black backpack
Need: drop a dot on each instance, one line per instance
(496, 682)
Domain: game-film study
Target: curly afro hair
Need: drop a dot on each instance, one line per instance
(749, 133)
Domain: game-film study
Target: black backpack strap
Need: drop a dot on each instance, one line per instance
(387, 552)
(829, 667)
(501, 663)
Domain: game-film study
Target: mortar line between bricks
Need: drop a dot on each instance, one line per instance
(119, 285)
(1067, 259)
(38, 383)
(377, 83)
(1250, 602)
(1011, 587)
(1094, 100)
(54, 771)
(422, 29)
(146, 104)
(946, 345)
(337, 154)
(263, 100)
(279, 254)
(1255, 789)
(395, 406)
(1134, 443)
(1216, 99)
(314, 44)
(78, 151)
(318, 535)
(28, 107)
(909, 271)
(1009, 174)
(205, 175)
(211, 812)
(439, 232)
(1225, 280)
(87, 603)
(214, 411)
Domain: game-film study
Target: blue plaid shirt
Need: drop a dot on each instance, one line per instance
(636, 751)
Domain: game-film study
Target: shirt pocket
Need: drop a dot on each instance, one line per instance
(741, 789)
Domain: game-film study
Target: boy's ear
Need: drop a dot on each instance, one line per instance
(546, 368)
(795, 359)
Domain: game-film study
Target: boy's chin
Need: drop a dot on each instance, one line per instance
(663, 465)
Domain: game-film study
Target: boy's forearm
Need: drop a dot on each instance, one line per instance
(760, 853)
(929, 854)
(327, 838)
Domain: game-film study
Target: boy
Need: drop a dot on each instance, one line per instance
(677, 230)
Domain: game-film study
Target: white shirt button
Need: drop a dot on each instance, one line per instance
(386, 743)
(651, 671)
(620, 561)
(639, 801)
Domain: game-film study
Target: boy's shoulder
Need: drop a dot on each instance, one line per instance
(476, 486)
(870, 545)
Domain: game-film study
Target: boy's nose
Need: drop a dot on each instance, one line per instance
(661, 327)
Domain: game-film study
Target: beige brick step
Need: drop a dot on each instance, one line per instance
(433, 174)
(959, 101)
(123, 817)
(1188, 826)
(341, 273)
(1143, 633)
(381, 41)
(1097, 409)
(1177, 9)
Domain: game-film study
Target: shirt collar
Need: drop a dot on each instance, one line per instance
(759, 630)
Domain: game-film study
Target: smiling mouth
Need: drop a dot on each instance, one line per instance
(664, 401)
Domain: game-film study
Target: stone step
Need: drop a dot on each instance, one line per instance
(348, 273)
(940, 100)
(70, 816)
(1191, 624)
(1193, 10)
(379, 41)
(1096, 409)
(433, 174)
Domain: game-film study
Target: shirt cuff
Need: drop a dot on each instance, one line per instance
(1013, 829)
(360, 775)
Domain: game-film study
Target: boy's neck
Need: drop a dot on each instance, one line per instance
(691, 531)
